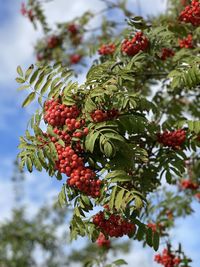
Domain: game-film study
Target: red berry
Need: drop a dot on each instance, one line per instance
(172, 139)
(138, 43)
(186, 42)
(75, 58)
(108, 49)
(191, 13)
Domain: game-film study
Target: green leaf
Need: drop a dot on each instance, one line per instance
(190, 125)
(23, 87)
(29, 164)
(37, 163)
(29, 99)
(119, 262)
(119, 198)
(196, 127)
(90, 141)
(34, 76)
(156, 241)
(168, 176)
(62, 199)
(108, 149)
(20, 80)
(45, 87)
(29, 71)
(118, 176)
(19, 71)
(112, 197)
(39, 82)
(149, 236)
(114, 136)
(140, 232)
(115, 173)
(138, 202)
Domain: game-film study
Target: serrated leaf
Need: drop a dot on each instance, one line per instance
(19, 80)
(29, 71)
(108, 149)
(112, 197)
(19, 71)
(119, 262)
(140, 232)
(29, 99)
(29, 164)
(149, 236)
(114, 136)
(23, 87)
(90, 141)
(37, 163)
(156, 241)
(45, 87)
(138, 202)
(39, 82)
(34, 76)
(118, 199)
(62, 199)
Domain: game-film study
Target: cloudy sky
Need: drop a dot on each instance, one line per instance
(17, 38)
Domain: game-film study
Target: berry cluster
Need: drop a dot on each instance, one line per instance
(172, 139)
(102, 241)
(191, 13)
(85, 180)
(75, 58)
(104, 115)
(186, 42)
(168, 259)
(72, 29)
(70, 160)
(114, 225)
(53, 41)
(138, 43)
(166, 53)
(188, 184)
(108, 49)
(56, 114)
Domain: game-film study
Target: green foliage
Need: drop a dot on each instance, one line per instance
(151, 94)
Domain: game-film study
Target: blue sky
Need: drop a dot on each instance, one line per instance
(16, 48)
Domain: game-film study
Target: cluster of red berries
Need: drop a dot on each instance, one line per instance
(102, 241)
(166, 53)
(167, 259)
(114, 225)
(138, 43)
(72, 29)
(107, 49)
(76, 38)
(172, 139)
(104, 115)
(25, 12)
(188, 184)
(191, 13)
(57, 114)
(75, 58)
(85, 180)
(70, 160)
(53, 41)
(155, 227)
(186, 42)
